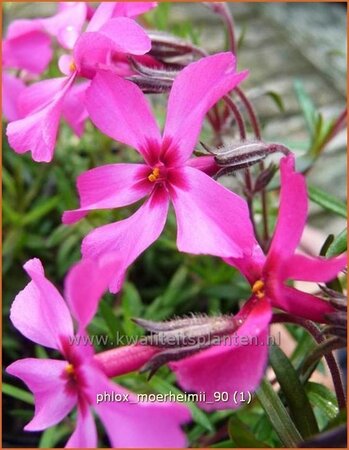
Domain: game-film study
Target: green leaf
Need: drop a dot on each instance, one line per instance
(224, 444)
(296, 398)
(323, 398)
(164, 387)
(242, 36)
(277, 100)
(242, 436)
(132, 307)
(18, 393)
(338, 245)
(340, 419)
(41, 210)
(327, 201)
(162, 306)
(307, 106)
(110, 319)
(278, 416)
(51, 436)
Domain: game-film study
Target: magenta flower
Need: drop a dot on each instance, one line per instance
(43, 103)
(238, 364)
(211, 219)
(40, 313)
(268, 274)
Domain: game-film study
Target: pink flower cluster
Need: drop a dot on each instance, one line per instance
(211, 219)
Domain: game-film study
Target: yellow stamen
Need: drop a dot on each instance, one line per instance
(258, 289)
(72, 66)
(154, 175)
(70, 370)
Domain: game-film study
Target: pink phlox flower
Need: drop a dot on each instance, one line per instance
(40, 314)
(210, 218)
(268, 274)
(44, 103)
(238, 363)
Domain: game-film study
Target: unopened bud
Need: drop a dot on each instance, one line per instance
(241, 155)
(180, 338)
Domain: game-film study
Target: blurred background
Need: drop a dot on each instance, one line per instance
(296, 55)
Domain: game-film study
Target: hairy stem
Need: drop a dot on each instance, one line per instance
(257, 132)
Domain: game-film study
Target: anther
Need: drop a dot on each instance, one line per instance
(258, 289)
(154, 175)
(72, 66)
(70, 370)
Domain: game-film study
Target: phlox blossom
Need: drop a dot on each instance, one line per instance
(210, 218)
(40, 313)
(236, 365)
(43, 104)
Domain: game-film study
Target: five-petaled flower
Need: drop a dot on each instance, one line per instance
(40, 313)
(242, 366)
(210, 218)
(268, 274)
(42, 104)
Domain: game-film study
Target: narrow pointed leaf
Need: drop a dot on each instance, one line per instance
(278, 415)
(327, 201)
(242, 436)
(296, 397)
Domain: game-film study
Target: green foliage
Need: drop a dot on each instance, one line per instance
(162, 283)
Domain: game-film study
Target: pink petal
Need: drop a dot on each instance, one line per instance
(27, 47)
(127, 35)
(40, 94)
(39, 312)
(301, 304)
(65, 64)
(237, 364)
(22, 27)
(308, 268)
(84, 286)
(131, 236)
(45, 378)
(12, 88)
(132, 9)
(195, 90)
(120, 110)
(152, 425)
(250, 265)
(85, 433)
(66, 25)
(102, 14)
(74, 110)
(292, 215)
(37, 132)
(204, 163)
(108, 10)
(110, 186)
(94, 49)
(211, 219)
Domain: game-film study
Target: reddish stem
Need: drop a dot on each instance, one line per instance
(257, 132)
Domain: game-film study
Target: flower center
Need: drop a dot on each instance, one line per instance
(72, 66)
(258, 289)
(154, 175)
(70, 371)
